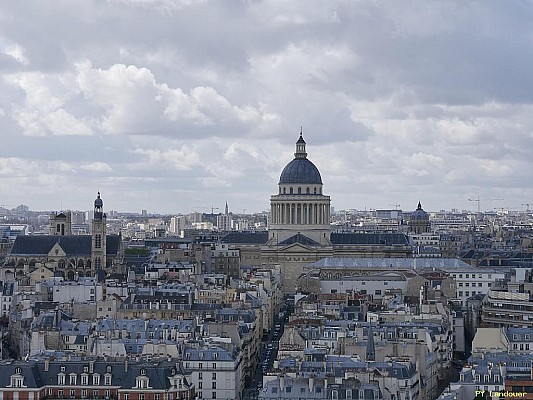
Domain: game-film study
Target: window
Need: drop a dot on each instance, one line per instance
(96, 380)
(334, 394)
(214, 395)
(200, 375)
(378, 292)
(107, 393)
(480, 284)
(72, 393)
(200, 385)
(214, 365)
(213, 385)
(83, 392)
(98, 241)
(108, 380)
(61, 379)
(214, 376)
(126, 396)
(200, 365)
(460, 284)
(60, 392)
(95, 393)
(141, 396)
(467, 284)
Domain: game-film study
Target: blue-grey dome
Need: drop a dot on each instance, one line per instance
(300, 170)
(419, 213)
(98, 201)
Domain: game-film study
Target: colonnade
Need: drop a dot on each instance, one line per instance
(296, 213)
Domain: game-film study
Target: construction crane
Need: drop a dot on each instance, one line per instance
(527, 205)
(478, 200)
(395, 205)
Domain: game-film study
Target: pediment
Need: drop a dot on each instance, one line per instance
(57, 251)
(296, 248)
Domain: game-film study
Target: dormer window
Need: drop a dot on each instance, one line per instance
(142, 382)
(17, 381)
(143, 372)
(108, 368)
(62, 368)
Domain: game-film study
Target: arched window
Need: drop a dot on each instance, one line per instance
(299, 190)
(315, 191)
(307, 191)
(290, 190)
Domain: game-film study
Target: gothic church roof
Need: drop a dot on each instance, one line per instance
(73, 245)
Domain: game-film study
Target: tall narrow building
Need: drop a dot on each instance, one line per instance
(300, 208)
(98, 248)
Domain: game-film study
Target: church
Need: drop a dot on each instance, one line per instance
(68, 255)
(299, 230)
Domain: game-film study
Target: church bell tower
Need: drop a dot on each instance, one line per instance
(98, 248)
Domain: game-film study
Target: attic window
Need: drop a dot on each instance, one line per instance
(143, 371)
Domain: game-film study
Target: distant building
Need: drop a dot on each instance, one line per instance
(69, 255)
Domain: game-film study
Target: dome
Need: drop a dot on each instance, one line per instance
(98, 201)
(419, 213)
(300, 170)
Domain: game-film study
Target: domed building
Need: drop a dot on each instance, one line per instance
(299, 230)
(419, 221)
(300, 212)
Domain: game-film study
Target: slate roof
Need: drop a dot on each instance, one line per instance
(35, 375)
(73, 245)
(299, 238)
(388, 239)
(245, 237)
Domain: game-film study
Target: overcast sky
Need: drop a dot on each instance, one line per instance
(181, 105)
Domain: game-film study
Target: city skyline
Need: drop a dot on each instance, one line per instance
(181, 106)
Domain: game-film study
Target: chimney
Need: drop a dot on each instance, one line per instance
(126, 365)
(46, 364)
(91, 366)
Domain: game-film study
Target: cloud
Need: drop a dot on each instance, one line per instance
(189, 101)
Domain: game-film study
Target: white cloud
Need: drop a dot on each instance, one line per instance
(146, 99)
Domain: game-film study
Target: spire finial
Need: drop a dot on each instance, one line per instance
(301, 130)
